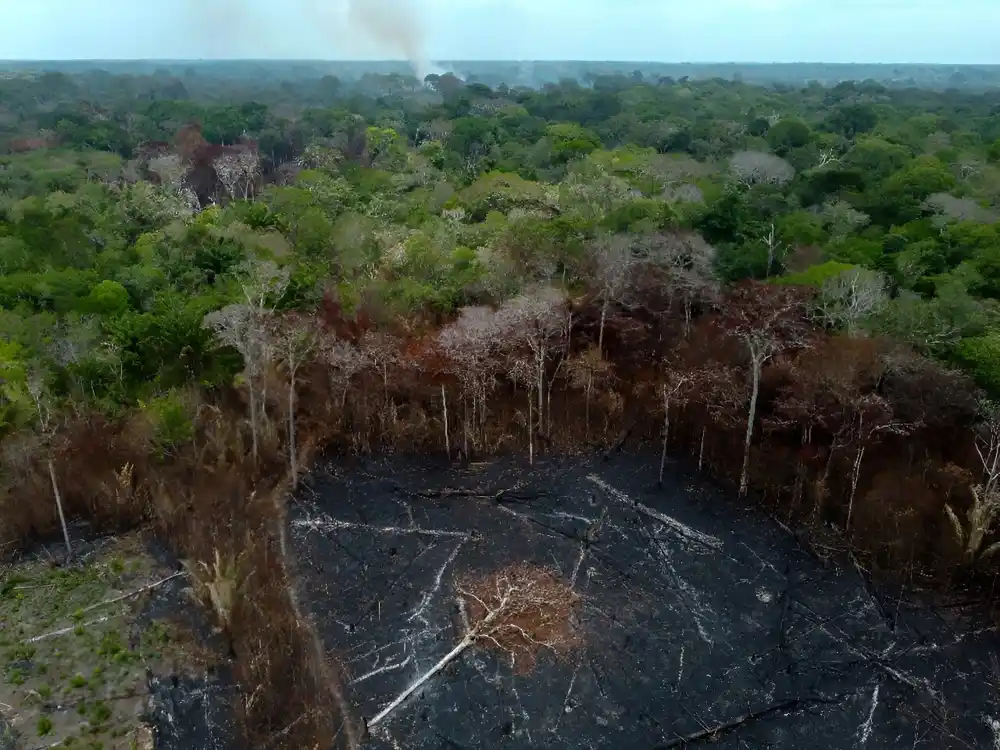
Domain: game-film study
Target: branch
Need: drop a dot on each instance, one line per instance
(713, 733)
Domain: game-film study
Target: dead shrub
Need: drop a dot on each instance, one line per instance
(521, 610)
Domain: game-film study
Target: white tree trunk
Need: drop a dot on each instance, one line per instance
(855, 474)
(444, 662)
(701, 449)
(590, 385)
(59, 507)
(292, 449)
(531, 434)
(756, 364)
(666, 432)
(600, 335)
(447, 439)
(254, 427)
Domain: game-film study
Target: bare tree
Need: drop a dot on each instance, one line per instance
(41, 397)
(537, 318)
(760, 168)
(238, 171)
(518, 610)
(673, 389)
(826, 157)
(472, 345)
(985, 506)
(675, 265)
(294, 341)
(587, 371)
(948, 207)
(614, 262)
(852, 297)
(841, 218)
(244, 328)
(773, 246)
(767, 319)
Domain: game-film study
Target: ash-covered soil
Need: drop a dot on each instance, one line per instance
(697, 619)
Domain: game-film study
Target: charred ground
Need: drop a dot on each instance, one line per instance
(699, 619)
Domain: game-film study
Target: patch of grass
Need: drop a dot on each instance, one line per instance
(78, 681)
(16, 676)
(44, 725)
(98, 713)
(117, 565)
(22, 652)
(45, 691)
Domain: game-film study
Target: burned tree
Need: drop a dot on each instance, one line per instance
(613, 265)
(472, 347)
(243, 328)
(37, 387)
(520, 611)
(537, 319)
(767, 320)
(587, 371)
(293, 340)
(985, 507)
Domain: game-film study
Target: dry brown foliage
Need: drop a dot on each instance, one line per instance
(521, 610)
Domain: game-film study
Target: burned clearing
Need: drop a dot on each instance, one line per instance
(688, 618)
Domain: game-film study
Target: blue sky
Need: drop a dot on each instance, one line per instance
(937, 31)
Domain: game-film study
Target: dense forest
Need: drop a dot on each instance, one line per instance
(206, 279)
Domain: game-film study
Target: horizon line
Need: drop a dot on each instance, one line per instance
(478, 60)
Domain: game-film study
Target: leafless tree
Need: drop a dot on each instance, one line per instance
(677, 265)
(169, 169)
(852, 297)
(767, 320)
(263, 283)
(826, 157)
(842, 219)
(985, 506)
(294, 341)
(873, 419)
(41, 397)
(238, 171)
(518, 610)
(472, 346)
(948, 207)
(245, 329)
(614, 262)
(673, 388)
(587, 371)
(537, 318)
(760, 168)
(773, 246)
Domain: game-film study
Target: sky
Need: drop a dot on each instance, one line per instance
(899, 31)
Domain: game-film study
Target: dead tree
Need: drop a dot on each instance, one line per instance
(41, 397)
(245, 329)
(293, 340)
(985, 507)
(519, 611)
(673, 388)
(538, 319)
(238, 171)
(848, 299)
(767, 319)
(613, 261)
(472, 346)
(760, 168)
(587, 371)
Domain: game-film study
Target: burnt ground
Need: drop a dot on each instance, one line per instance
(695, 615)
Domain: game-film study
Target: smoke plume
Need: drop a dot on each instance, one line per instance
(395, 25)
